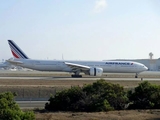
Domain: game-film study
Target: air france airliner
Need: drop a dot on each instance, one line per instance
(92, 68)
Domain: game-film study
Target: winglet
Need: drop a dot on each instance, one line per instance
(16, 51)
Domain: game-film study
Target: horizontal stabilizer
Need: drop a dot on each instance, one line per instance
(14, 62)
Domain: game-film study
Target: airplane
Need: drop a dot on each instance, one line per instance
(8, 66)
(92, 68)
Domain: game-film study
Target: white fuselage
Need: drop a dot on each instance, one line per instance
(107, 66)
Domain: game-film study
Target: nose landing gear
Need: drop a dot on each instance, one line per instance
(136, 76)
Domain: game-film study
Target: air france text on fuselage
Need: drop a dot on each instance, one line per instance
(118, 63)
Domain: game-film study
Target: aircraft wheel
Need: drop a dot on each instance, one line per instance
(76, 76)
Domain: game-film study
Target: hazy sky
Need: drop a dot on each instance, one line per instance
(81, 29)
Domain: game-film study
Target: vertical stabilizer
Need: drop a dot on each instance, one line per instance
(16, 51)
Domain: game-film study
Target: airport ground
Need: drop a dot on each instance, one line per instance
(111, 115)
(34, 88)
(33, 85)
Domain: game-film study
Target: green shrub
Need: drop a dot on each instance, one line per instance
(145, 96)
(9, 110)
(65, 99)
(113, 93)
(100, 96)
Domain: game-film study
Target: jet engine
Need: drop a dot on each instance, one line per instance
(95, 71)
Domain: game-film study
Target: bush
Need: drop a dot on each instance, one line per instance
(9, 110)
(65, 99)
(100, 96)
(145, 96)
(113, 93)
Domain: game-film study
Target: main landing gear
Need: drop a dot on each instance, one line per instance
(76, 75)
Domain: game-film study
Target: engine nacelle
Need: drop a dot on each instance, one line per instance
(95, 71)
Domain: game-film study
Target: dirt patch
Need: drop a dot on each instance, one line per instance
(112, 115)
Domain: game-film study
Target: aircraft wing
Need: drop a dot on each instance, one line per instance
(77, 66)
(14, 62)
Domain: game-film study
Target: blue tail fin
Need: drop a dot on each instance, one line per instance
(16, 51)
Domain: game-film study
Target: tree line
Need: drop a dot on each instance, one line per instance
(104, 96)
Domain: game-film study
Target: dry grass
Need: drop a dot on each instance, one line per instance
(51, 83)
(44, 88)
(112, 115)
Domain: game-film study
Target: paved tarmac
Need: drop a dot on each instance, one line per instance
(31, 104)
(83, 78)
(7, 73)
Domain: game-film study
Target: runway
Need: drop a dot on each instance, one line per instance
(78, 79)
(6, 74)
(56, 79)
(37, 75)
